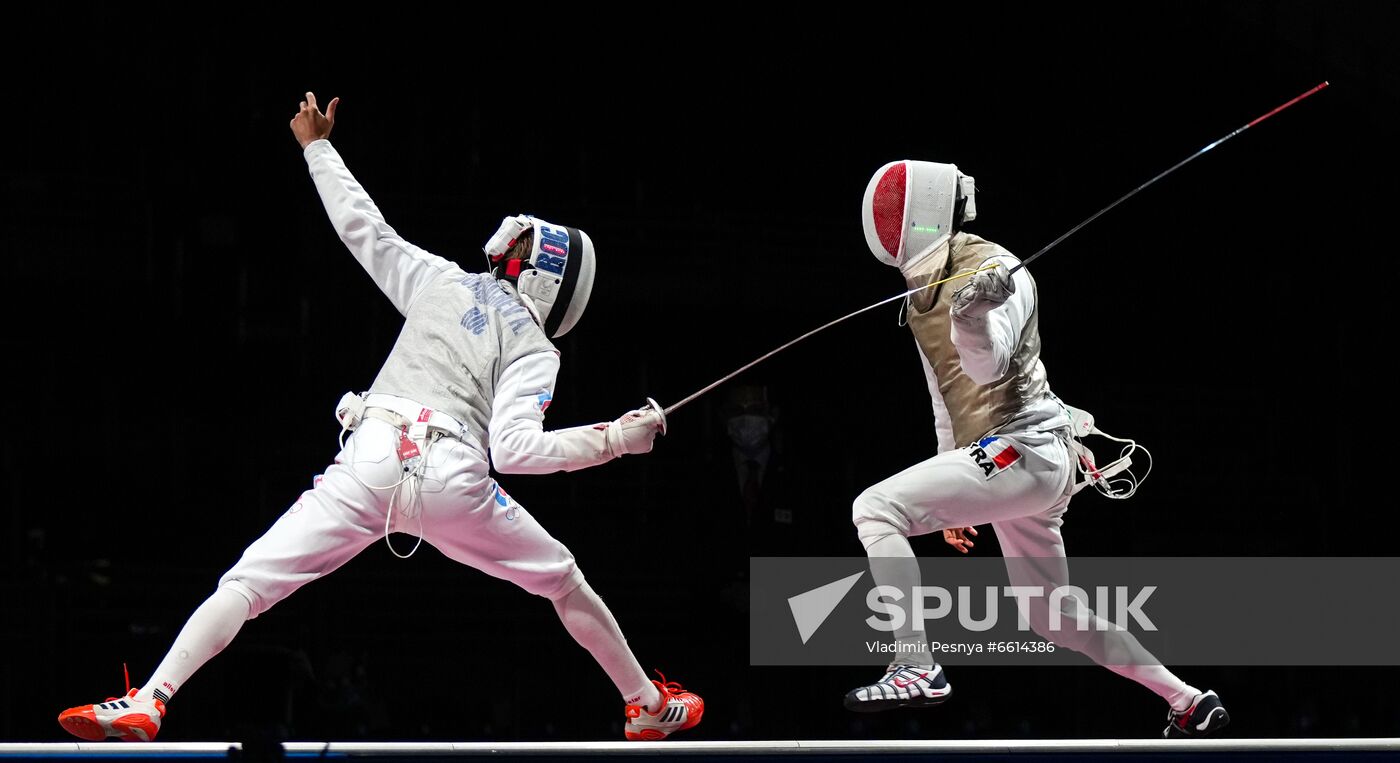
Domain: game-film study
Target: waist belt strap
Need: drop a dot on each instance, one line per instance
(387, 416)
(402, 424)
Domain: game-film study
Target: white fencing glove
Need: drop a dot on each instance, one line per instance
(635, 431)
(984, 293)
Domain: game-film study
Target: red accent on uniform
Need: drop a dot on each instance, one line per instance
(513, 268)
(1006, 457)
(497, 257)
(424, 415)
(407, 448)
(887, 205)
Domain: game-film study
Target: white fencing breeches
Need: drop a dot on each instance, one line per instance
(461, 510)
(1020, 485)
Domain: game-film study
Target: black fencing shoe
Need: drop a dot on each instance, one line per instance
(1205, 716)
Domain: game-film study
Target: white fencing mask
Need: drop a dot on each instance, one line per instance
(557, 275)
(911, 206)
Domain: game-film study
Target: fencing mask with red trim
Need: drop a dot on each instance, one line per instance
(911, 206)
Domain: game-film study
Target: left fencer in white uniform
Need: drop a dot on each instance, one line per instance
(1005, 451)
(472, 373)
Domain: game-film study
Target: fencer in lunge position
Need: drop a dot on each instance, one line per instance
(1005, 452)
(473, 369)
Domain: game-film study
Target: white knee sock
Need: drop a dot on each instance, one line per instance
(588, 620)
(893, 564)
(1175, 691)
(1116, 649)
(1112, 647)
(207, 632)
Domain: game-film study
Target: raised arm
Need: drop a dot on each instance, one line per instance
(400, 269)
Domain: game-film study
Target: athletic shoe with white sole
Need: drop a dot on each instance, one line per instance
(126, 718)
(902, 686)
(679, 711)
(1205, 716)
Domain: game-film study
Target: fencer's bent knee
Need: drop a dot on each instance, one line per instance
(255, 607)
(569, 583)
(876, 517)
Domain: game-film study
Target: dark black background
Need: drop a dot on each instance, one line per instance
(179, 320)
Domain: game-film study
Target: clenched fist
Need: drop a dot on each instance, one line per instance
(634, 432)
(987, 291)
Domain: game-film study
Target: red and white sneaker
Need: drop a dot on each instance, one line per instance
(126, 718)
(679, 711)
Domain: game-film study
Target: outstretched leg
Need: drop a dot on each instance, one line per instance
(499, 537)
(325, 528)
(1035, 556)
(209, 630)
(588, 620)
(655, 710)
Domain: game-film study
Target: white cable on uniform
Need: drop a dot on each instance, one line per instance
(416, 472)
(345, 429)
(350, 412)
(1102, 477)
(1133, 480)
